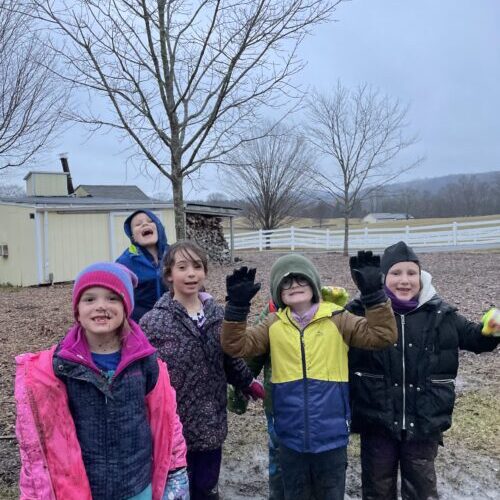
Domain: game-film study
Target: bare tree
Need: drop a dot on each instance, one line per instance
(271, 175)
(31, 98)
(362, 133)
(11, 191)
(184, 79)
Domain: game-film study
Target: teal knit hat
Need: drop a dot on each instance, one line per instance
(293, 264)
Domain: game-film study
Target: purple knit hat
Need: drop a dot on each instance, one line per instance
(110, 275)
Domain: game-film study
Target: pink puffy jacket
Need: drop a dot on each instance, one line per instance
(51, 462)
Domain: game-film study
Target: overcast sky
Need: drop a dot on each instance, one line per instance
(441, 56)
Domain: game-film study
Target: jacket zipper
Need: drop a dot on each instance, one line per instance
(305, 384)
(443, 381)
(368, 375)
(404, 369)
(306, 391)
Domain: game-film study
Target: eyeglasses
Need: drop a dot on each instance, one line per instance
(288, 281)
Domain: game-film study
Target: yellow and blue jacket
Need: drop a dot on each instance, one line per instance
(309, 368)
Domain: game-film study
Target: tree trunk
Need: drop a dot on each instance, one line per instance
(179, 212)
(346, 233)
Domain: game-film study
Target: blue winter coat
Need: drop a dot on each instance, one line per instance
(150, 287)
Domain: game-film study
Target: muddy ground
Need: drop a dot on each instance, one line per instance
(468, 464)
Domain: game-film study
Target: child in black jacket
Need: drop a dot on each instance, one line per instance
(403, 396)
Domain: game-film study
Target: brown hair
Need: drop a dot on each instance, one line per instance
(190, 250)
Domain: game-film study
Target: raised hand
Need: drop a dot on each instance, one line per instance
(491, 322)
(366, 273)
(335, 294)
(241, 286)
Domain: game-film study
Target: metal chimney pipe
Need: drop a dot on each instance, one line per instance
(65, 166)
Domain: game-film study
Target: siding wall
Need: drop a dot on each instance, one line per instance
(56, 246)
(49, 184)
(17, 231)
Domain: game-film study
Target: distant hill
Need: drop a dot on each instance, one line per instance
(430, 184)
(434, 184)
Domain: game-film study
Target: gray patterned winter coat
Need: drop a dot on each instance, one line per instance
(199, 370)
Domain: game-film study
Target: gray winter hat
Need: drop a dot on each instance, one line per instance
(399, 252)
(293, 264)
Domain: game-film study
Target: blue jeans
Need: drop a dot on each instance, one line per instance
(314, 475)
(276, 490)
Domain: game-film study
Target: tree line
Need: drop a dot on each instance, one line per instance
(189, 84)
(465, 197)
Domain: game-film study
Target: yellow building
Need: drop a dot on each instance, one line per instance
(48, 236)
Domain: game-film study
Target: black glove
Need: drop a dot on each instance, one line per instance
(366, 273)
(241, 288)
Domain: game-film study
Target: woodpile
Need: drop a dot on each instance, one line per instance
(206, 231)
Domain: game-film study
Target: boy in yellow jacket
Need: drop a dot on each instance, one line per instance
(308, 341)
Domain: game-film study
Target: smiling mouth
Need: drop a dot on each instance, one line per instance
(147, 232)
(104, 317)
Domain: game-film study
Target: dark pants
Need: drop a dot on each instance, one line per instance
(314, 475)
(380, 457)
(276, 491)
(203, 471)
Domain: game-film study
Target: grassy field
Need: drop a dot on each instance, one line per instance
(241, 223)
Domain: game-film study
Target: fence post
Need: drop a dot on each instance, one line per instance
(365, 236)
(327, 239)
(454, 232)
(260, 240)
(407, 234)
(292, 238)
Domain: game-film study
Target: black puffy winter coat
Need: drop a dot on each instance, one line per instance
(411, 385)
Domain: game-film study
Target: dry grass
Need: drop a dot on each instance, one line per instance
(241, 224)
(475, 424)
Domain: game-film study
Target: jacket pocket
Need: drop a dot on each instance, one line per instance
(443, 381)
(368, 393)
(435, 406)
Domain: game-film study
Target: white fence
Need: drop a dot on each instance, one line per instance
(457, 235)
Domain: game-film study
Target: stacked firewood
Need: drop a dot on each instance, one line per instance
(206, 231)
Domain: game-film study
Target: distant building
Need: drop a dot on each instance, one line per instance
(111, 192)
(48, 235)
(383, 217)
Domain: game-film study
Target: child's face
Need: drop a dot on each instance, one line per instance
(144, 230)
(403, 280)
(100, 311)
(296, 292)
(187, 275)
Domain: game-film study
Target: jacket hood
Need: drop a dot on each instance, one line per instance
(162, 237)
(74, 347)
(428, 291)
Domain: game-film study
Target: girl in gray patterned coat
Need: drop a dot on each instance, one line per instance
(185, 326)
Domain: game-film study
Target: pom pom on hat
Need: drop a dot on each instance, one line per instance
(110, 275)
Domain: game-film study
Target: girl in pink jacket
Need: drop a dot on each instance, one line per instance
(96, 414)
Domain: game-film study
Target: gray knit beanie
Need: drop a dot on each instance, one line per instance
(293, 264)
